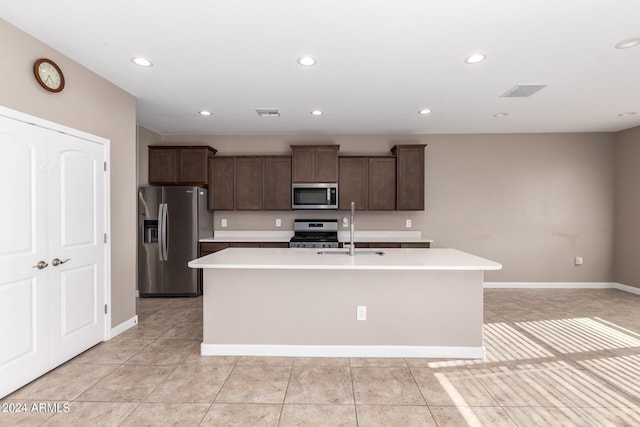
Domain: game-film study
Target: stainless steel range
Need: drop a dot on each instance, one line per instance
(315, 233)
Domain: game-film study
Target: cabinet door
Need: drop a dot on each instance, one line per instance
(326, 164)
(192, 166)
(353, 182)
(277, 183)
(410, 177)
(315, 163)
(249, 183)
(207, 248)
(382, 183)
(163, 166)
(221, 183)
(303, 165)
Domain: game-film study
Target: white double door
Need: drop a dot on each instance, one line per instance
(52, 250)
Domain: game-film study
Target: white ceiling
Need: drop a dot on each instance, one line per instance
(379, 62)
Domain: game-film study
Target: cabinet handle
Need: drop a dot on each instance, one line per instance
(40, 265)
(56, 262)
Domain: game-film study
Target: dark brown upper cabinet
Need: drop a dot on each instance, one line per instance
(179, 165)
(410, 176)
(353, 182)
(382, 183)
(250, 183)
(277, 183)
(221, 183)
(370, 182)
(315, 163)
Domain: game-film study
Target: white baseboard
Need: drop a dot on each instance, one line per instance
(342, 351)
(627, 288)
(561, 285)
(127, 324)
(549, 285)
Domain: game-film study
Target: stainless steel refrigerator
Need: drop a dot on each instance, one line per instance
(171, 221)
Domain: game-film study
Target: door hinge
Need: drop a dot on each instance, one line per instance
(105, 309)
(105, 166)
(105, 237)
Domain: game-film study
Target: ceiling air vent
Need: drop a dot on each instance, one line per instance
(522, 91)
(268, 112)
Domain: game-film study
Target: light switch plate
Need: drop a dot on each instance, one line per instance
(361, 312)
(278, 222)
(223, 222)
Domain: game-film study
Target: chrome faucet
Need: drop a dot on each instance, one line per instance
(352, 245)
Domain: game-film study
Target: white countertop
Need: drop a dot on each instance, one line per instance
(343, 236)
(393, 259)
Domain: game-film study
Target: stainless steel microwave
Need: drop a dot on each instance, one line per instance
(314, 196)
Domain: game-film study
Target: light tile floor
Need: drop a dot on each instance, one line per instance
(554, 358)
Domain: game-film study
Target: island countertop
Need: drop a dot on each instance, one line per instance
(298, 258)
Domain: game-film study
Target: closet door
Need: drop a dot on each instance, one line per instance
(24, 291)
(52, 249)
(76, 221)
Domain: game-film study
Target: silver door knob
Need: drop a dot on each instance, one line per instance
(56, 262)
(40, 265)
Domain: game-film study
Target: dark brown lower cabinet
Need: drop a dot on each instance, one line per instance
(207, 248)
(393, 245)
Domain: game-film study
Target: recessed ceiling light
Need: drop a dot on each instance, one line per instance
(498, 115)
(204, 113)
(625, 44)
(307, 61)
(424, 111)
(143, 62)
(316, 113)
(475, 58)
(630, 113)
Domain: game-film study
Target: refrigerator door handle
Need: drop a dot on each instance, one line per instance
(160, 231)
(165, 223)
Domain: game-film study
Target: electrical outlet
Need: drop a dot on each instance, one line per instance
(407, 223)
(278, 222)
(361, 312)
(345, 222)
(223, 222)
(578, 260)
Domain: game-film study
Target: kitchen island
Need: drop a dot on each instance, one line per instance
(306, 302)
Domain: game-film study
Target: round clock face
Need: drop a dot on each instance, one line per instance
(49, 75)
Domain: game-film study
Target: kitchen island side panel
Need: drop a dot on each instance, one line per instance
(318, 307)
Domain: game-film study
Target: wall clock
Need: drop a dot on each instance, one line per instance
(49, 75)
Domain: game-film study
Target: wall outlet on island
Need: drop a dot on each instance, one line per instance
(407, 223)
(223, 222)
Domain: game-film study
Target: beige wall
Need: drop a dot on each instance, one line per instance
(145, 139)
(529, 201)
(627, 237)
(91, 104)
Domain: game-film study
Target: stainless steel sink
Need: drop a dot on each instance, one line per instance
(357, 252)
